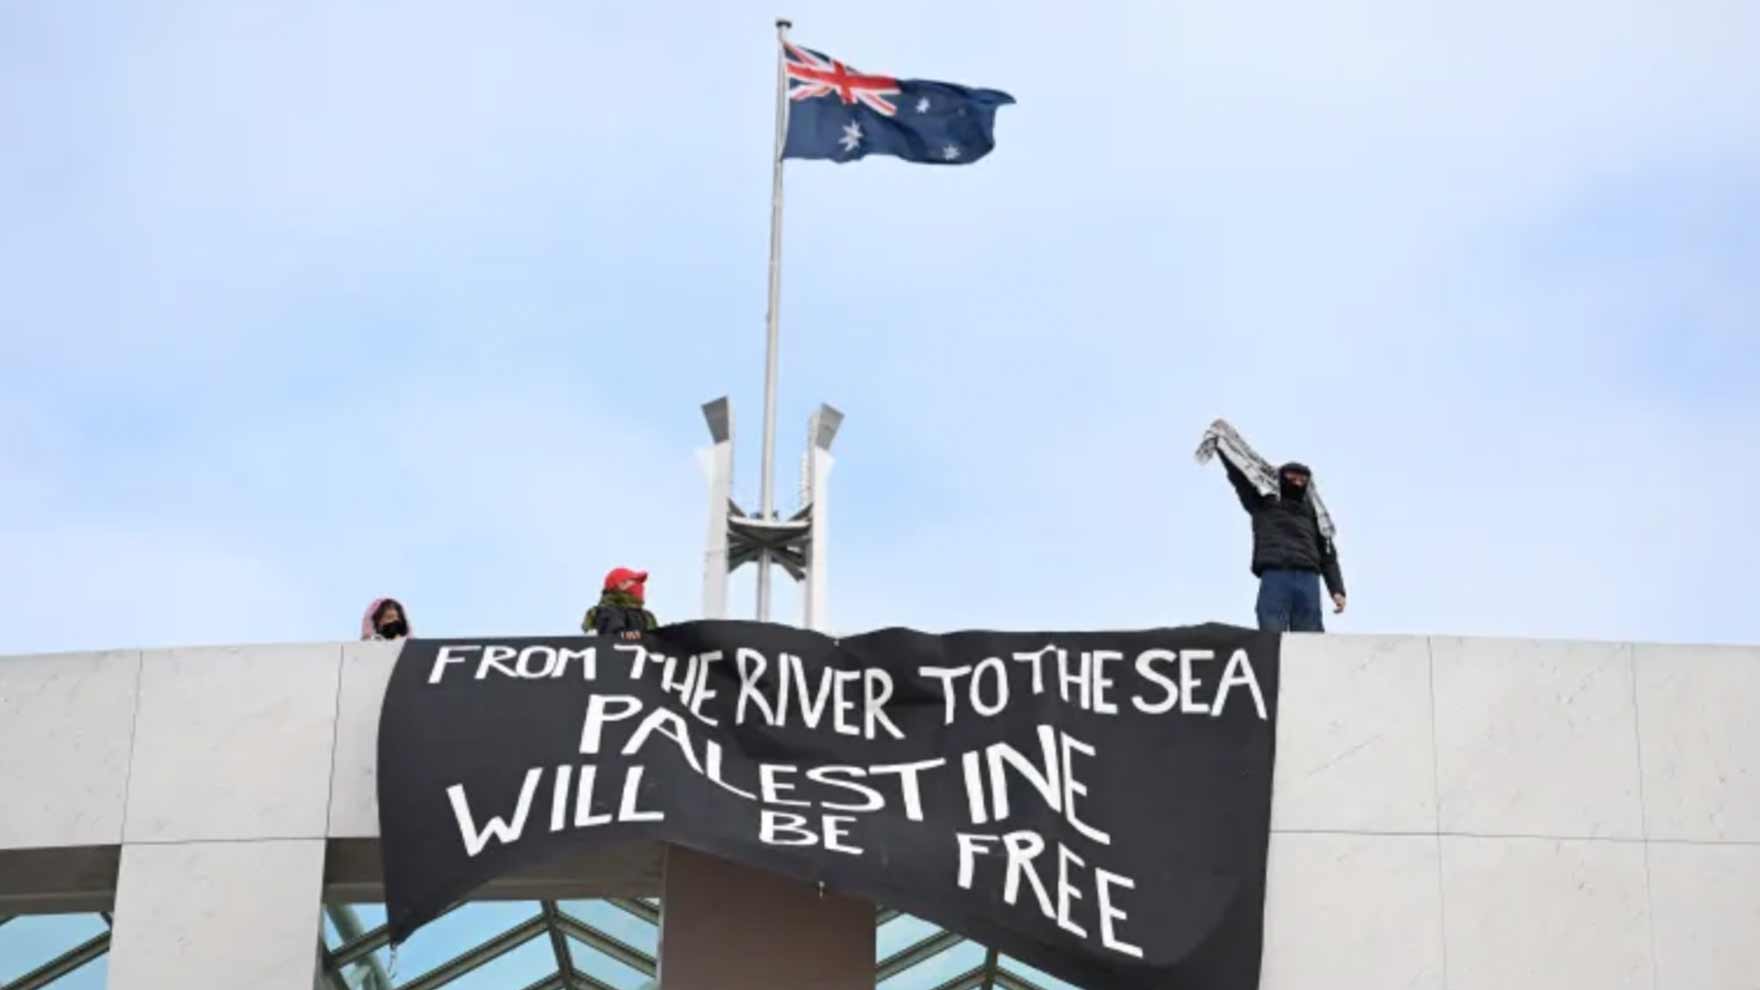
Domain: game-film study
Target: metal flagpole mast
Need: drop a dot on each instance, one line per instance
(767, 498)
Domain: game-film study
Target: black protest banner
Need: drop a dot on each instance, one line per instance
(1096, 804)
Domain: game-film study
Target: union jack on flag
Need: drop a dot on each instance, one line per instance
(812, 75)
(837, 112)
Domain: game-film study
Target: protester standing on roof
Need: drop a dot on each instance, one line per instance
(1293, 548)
(620, 610)
(386, 618)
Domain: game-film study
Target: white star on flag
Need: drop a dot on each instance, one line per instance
(951, 152)
(923, 105)
(852, 136)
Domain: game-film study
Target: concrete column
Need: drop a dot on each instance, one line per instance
(237, 914)
(816, 493)
(223, 841)
(717, 462)
(816, 597)
(729, 927)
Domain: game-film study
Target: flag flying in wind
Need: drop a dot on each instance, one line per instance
(839, 113)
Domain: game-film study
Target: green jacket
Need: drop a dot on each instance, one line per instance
(618, 612)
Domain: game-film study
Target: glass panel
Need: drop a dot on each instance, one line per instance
(615, 922)
(451, 935)
(938, 968)
(900, 934)
(603, 968)
(1032, 975)
(91, 976)
(372, 915)
(364, 918)
(523, 966)
(31, 940)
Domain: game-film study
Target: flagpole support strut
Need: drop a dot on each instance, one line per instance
(798, 545)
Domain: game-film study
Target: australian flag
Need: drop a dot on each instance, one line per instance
(838, 113)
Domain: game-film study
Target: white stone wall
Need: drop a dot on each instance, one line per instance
(211, 766)
(1501, 815)
(1449, 813)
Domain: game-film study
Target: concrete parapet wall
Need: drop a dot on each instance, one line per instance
(1460, 813)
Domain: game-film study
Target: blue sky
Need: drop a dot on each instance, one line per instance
(313, 303)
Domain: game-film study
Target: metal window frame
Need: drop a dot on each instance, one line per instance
(554, 921)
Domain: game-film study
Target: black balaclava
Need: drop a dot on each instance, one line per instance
(1289, 492)
(396, 628)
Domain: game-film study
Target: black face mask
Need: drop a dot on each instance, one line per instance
(1289, 492)
(395, 629)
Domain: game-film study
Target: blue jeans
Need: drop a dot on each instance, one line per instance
(1289, 601)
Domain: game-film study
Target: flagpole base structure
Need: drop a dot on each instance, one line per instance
(727, 926)
(798, 545)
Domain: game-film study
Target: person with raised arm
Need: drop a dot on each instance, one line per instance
(1293, 536)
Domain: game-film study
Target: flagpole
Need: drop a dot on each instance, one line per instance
(767, 500)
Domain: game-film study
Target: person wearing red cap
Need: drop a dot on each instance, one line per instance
(620, 610)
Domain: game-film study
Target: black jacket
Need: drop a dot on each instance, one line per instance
(1286, 533)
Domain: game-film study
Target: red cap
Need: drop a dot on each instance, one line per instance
(622, 574)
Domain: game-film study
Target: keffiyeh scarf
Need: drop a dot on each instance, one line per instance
(1221, 438)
